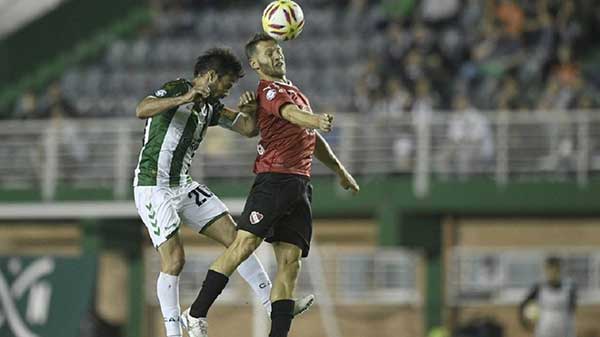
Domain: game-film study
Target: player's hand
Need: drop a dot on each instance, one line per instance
(325, 122)
(247, 102)
(348, 182)
(195, 93)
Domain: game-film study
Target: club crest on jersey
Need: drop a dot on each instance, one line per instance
(255, 217)
(160, 93)
(271, 94)
(260, 149)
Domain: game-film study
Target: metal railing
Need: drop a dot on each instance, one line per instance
(449, 145)
(381, 276)
(483, 276)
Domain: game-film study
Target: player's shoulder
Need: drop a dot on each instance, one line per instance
(265, 85)
(269, 90)
(175, 87)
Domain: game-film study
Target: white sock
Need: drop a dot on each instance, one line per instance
(255, 275)
(167, 289)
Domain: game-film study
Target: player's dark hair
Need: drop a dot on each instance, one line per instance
(251, 44)
(221, 60)
(553, 261)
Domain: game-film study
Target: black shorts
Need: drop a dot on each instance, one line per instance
(278, 209)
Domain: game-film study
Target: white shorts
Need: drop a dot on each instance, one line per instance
(163, 209)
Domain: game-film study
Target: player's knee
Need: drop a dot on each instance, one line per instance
(174, 265)
(245, 245)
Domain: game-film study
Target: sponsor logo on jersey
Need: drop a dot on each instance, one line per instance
(255, 217)
(271, 94)
(260, 149)
(160, 93)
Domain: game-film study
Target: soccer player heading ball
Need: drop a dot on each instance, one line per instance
(278, 209)
(177, 116)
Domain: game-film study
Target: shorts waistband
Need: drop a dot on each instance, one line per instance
(278, 175)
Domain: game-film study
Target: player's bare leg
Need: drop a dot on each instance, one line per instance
(172, 259)
(282, 296)
(223, 230)
(243, 246)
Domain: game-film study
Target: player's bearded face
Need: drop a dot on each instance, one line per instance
(271, 59)
(222, 86)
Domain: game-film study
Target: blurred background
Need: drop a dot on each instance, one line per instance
(472, 126)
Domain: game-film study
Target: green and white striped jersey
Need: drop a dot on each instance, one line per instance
(172, 137)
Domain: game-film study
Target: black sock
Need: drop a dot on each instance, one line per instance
(213, 285)
(282, 312)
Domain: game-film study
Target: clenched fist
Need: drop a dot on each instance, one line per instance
(325, 122)
(195, 93)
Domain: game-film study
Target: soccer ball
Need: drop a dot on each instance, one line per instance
(283, 20)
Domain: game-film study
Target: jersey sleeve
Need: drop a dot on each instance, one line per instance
(271, 99)
(172, 89)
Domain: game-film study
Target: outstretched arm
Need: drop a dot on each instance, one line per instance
(325, 154)
(244, 120)
(295, 115)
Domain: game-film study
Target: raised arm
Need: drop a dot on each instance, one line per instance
(293, 114)
(152, 105)
(325, 154)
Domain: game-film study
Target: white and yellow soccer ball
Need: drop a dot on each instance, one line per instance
(283, 20)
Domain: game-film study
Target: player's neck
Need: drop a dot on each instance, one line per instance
(281, 79)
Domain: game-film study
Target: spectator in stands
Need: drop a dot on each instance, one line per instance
(541, 37)
(398, 10)
(398, 42)
(27, 106)
(414, 66)
(471, 16)
(564, 84)
(489, 274)
(368, 89)
(55, 106)
(61, 112)
(439, 10)
(512, 17)
(425, 100)
(395, 102)
(567, 24)
(508, 95)
(470, 145)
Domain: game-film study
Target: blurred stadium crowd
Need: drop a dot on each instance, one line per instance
(384, 57)
(493, 54)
